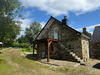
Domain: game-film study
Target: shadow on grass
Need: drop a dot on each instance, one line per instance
(31, 57)
(48, 63)
(97, 66)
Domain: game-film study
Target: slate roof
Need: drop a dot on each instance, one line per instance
(65, 25)
(96, 34)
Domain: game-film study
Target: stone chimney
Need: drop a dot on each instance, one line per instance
(84, 30)
(65, 21)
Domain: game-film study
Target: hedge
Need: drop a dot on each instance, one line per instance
(22, 45)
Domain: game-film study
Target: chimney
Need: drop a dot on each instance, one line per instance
(84, 30)
(65, 21)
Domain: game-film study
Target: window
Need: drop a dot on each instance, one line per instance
(56, 33)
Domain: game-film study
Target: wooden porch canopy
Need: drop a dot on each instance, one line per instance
(47, 43)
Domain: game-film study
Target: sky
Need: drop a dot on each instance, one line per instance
(80, 13)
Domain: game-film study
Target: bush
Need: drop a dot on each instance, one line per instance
(23, 45)
(16, 44)
(27, 50)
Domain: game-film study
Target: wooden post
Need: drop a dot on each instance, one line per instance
(50, 43)
(33, 48)
(37, 50)
(45, 48)
(48, 51)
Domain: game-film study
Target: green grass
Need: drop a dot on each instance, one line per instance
(67, 69)
(29, 50)
(1, 48)
(12, 63)
(4, 66)
(16, 60)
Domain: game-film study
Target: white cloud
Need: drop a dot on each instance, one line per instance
(25, 23)
(43, 24)
(27, 14)
(58, 7)
(89, 28)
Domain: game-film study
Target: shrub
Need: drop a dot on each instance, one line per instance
(27, 49)
(23, 45)
(16, 44)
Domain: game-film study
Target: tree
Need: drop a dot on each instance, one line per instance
(32, 31)
(22, 39)
(9, 27)
(10, 8)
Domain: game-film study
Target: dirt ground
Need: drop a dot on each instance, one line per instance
(14, 62)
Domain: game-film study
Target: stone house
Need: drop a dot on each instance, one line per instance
(95, 43)
(57, 40)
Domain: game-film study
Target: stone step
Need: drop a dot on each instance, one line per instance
(77, 57)
(71, 56)
(71, 52)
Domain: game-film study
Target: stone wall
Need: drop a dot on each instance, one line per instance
(95, 50)
(60, 53)
(42, 50)
(69, 40)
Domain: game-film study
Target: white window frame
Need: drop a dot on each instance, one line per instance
(55, 33)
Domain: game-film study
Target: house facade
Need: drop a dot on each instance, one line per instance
(68, 44)
(95, 43)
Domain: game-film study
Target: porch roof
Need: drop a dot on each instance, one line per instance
(45, 40)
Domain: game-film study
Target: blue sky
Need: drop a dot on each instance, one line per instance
(80, 13)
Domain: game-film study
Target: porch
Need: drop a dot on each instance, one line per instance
(47, 43)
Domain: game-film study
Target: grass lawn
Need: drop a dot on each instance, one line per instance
(29, 50)
(12, 63)
(2, 48)
(4, 66)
